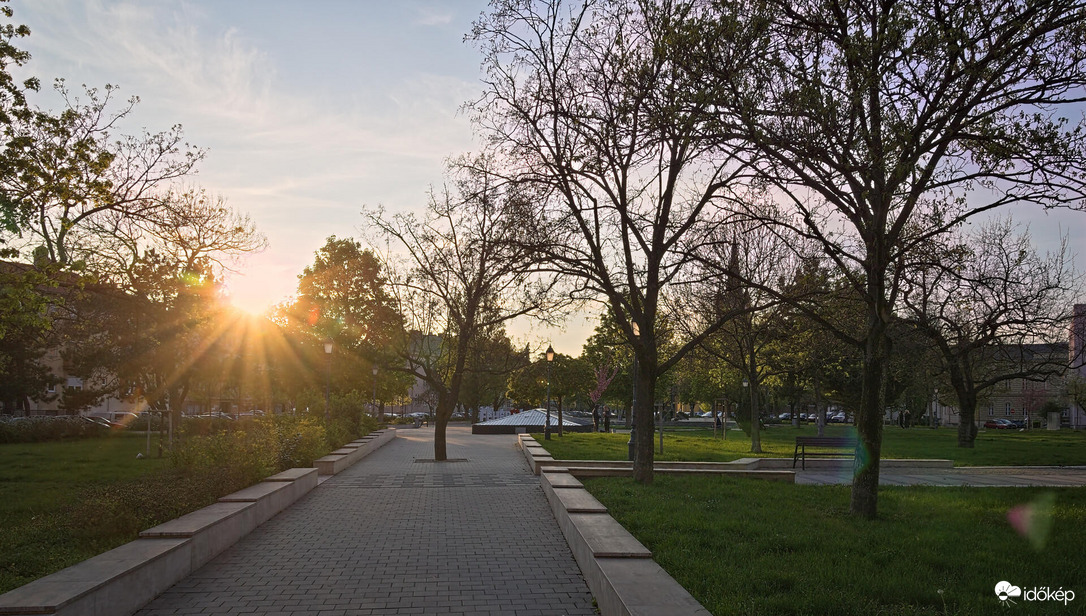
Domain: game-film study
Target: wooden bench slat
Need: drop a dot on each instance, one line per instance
(838, 442)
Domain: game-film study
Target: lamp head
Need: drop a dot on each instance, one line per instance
(328, 346)
(550, 353)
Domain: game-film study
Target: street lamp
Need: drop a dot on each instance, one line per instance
(746, 384)
(632, 445)
(373, 401)
(550, 359)
(328, 375)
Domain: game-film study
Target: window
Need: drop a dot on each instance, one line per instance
(991, 410)
(1007, 408)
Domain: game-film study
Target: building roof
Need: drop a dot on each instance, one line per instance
(531, 418)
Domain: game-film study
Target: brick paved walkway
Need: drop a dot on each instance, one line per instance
(396, 534)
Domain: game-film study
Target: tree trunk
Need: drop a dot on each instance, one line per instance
(967, 426)
(446, 403)
(967, 407)
(755, 423)
(865, 484)
(559, 399)
(643, 449)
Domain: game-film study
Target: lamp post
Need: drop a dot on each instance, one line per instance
(373, 401)
(550, 359)
(632, 445)
(746, 384)
(327, 375)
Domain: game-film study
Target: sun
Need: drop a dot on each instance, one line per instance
(252, 306)
(255, 295)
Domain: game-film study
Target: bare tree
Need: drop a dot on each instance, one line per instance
(75, 179)
(885, 124)
(989, 303)
(759, 262)
(466, 267)
(188, 226)
(589, 102)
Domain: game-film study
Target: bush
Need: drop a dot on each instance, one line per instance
(237, 451)
(296, 441)
(124, 508)
(39, 429)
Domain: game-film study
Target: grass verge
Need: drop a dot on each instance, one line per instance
(992, 448)
(64, 501)
(745, 547)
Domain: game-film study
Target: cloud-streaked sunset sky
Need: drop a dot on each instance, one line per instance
(308, 110)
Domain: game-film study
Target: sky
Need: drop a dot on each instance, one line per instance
(309, 111)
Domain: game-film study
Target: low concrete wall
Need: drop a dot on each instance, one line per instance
(124, 579)
(620, 572)
(113, 583)
(347, 455)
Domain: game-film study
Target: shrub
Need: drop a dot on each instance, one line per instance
(39, 429)
(296, 440)
(122, 509)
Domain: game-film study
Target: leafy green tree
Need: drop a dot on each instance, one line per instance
(27, 296)
(81, 187)
(492, 359)
(343, 297)
(14, 215)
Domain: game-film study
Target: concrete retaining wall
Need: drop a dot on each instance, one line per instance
(347, 455)
(620, 572)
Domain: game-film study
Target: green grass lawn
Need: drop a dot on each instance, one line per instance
(993, 447)
(41, 485)
(746, 547)
(62, 502)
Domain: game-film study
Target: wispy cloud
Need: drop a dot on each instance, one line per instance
(426, 16)
(220, 85)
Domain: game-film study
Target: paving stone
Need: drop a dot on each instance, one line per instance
(395, 534)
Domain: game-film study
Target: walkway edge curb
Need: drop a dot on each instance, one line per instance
(620, 572)
(128, 577)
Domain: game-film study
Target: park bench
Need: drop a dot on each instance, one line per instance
(819, 443)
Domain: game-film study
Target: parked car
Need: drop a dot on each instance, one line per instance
(1018, 423)
(786, 417)
(999, 424)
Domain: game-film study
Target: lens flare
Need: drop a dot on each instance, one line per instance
(1034, 520)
